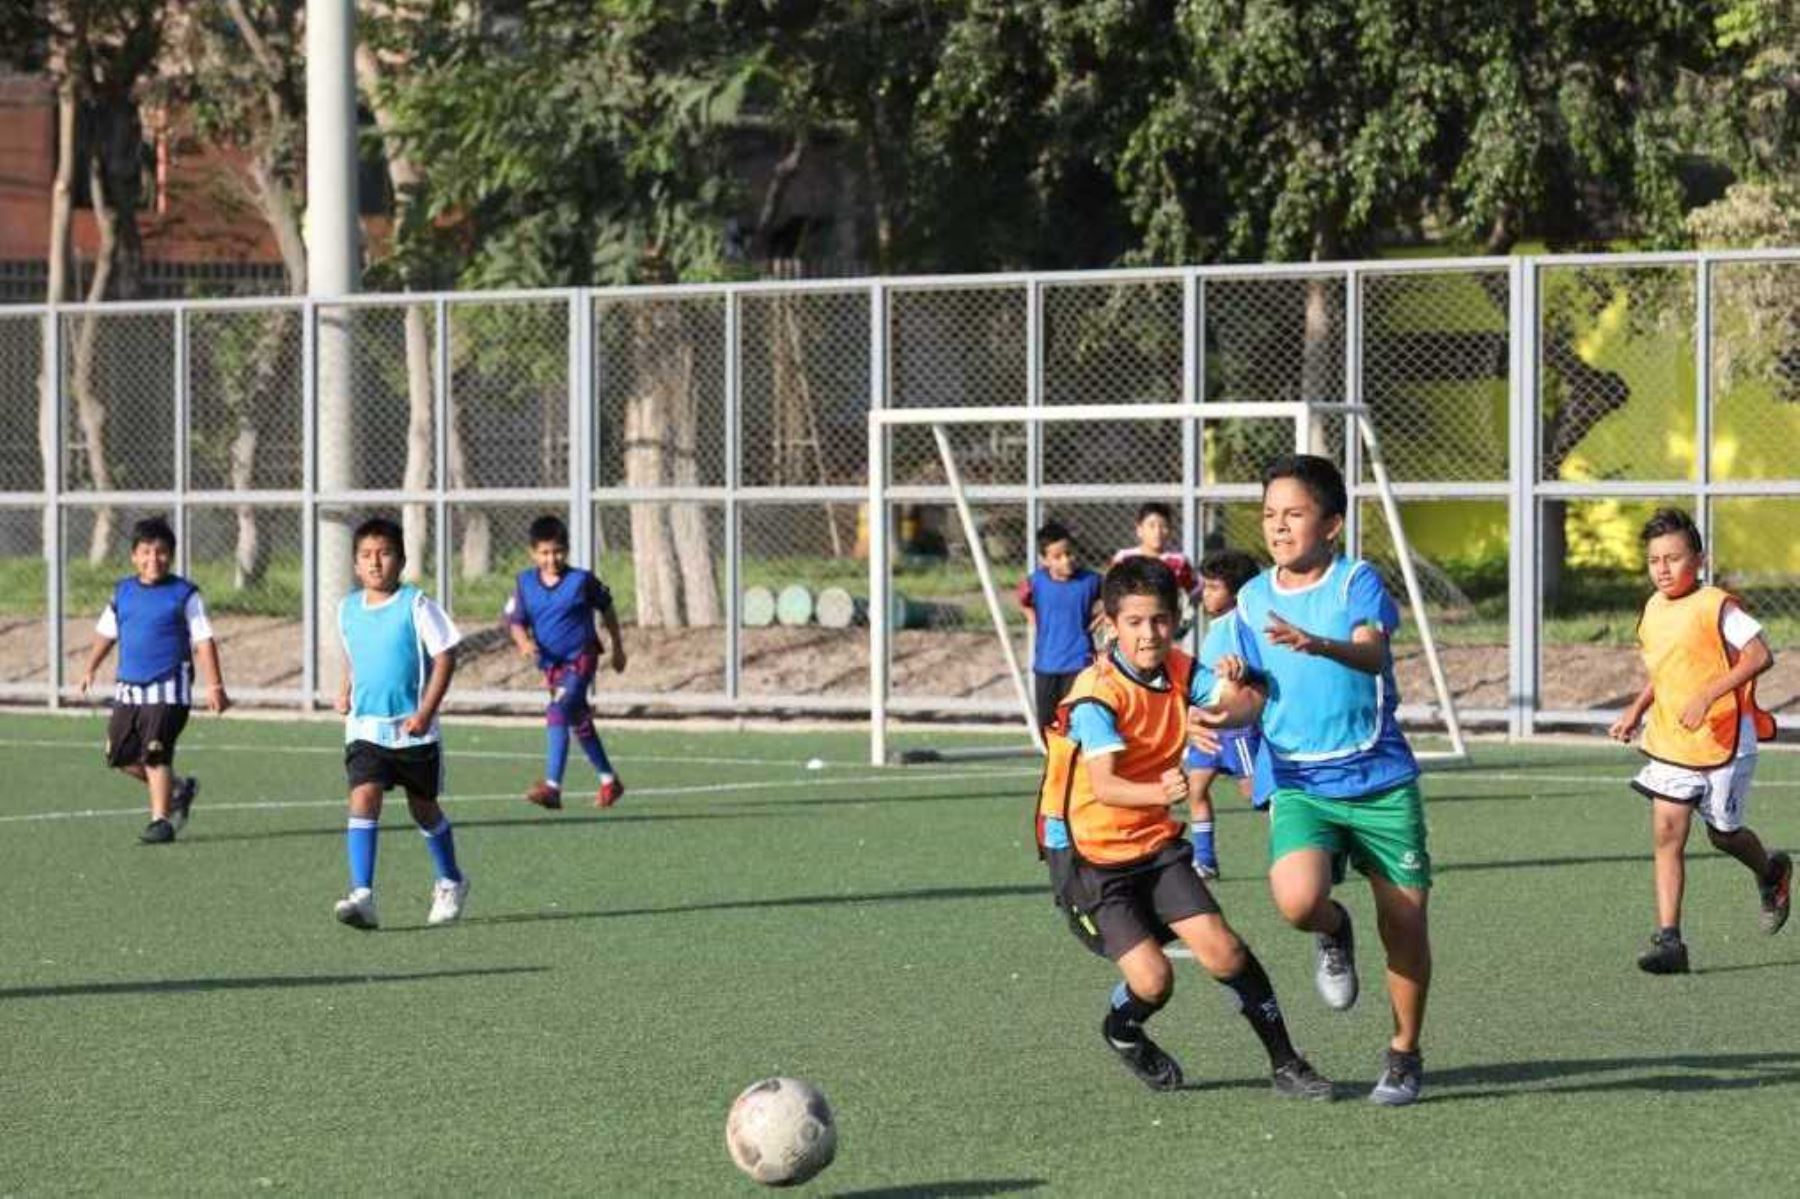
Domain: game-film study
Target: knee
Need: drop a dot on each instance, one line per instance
(1153, 982)
(1299, 906)
(1223, 956)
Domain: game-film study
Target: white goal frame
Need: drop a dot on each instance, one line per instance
(1304, 417)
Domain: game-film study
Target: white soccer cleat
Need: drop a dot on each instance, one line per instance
(447, 901)
(1334, 966)
(357, 909)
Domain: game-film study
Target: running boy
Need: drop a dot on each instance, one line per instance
(159, 623)
(1155, 525)
(1119, 867)
(399, 648)
(551, 617)
(1061, 601)
(1314, 629)
(1703, 653)
(1222, 574)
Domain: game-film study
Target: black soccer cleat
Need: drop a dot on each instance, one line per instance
(1145, 1058)
(1777, 895)
(1402, 1079)
(157, 832)
(1666, 955)
(1298, 1080)
(182, 802)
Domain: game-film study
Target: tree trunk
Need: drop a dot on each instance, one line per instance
(415, 517)
(478, 535)
(62, 195)
(90, 410)
(1321, 361)
(693, 548)
(646, 434)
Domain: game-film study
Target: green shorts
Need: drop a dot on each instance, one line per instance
(1383, 834)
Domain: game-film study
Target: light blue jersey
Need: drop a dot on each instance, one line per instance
(390, 644)
(1329, 730)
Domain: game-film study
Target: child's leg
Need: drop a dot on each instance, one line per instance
(1200, 818)
(360, 834)
(1668, 836)
(1300, 883)
(556, 729)
(160, 779)
(429, 815)
(1400, 914)
(1223, 954)
(1745, 846)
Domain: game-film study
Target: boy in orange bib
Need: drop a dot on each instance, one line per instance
(1703, 653)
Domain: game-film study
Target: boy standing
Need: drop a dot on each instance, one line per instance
(400, 651)
(159, 623)
(550, 615)
(1703, 653)
(1155, 525)
(1314, 628)
(1061, 602)
(1118, 865)
(1223, 574)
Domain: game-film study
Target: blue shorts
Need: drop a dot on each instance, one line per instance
(1236, 755)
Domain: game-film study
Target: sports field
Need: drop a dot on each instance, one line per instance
(190, 1019)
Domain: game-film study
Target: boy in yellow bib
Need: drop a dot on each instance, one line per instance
(1703, 653)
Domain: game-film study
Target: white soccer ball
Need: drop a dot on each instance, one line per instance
(780, 1131)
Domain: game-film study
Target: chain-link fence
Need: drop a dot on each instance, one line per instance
(708, 448)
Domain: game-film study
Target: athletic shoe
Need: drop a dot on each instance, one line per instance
(1334, 966)
(186, 791)
(1145, 1058)
(1402, 1078)
(1298, 1080)
(1665, 956)
(447, 901)
(1208, 871)
(1778, 895)
(357, 909)
(611, 792)
(157, 832)
(544, 795)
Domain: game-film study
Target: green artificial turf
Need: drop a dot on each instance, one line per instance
(190, 1019)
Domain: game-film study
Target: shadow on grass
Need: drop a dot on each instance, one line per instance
(944, 1190)
(250, 983)
(1697, 1072)
(1789, 964)
(748, 905)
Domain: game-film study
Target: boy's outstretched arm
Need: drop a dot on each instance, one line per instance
(1109, 788)
(1365, 651)
(1753, 659)
(206, 653)
(443, 666)
(1238, 703)
(1625, 727)
(97, 654)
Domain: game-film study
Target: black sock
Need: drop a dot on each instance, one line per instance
(1255, 998)
(1669, 932)
(1125, 1018)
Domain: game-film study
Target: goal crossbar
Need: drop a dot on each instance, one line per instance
(1303, 416)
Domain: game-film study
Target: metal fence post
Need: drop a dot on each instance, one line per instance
(1703, 414)
(179, 438)
(734, 441)
(879, 607)
(581, 427)
(440, 467)
(53, 509)
(1523, 399)
(1034, 433)
(1193, 383)
(1353, 372)
(309, 504)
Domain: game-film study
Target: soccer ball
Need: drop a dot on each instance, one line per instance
(780, 1131)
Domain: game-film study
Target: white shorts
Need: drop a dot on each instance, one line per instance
(1721, 795)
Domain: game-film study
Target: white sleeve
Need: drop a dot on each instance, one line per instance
(199, 627)
(435, 627)
(108, 624)
(1740, 628)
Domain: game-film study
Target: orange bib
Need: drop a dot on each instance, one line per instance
(1153, 725)
(1684, 648)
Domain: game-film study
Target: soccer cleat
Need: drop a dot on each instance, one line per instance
(1298, 1080)
(544, 795)
(357, 909)
(447, 901)
(157, 832)
(1208, 871)
(1666, 955)
(1334, 966)
(1402, 1078)
(1145, 1058)
(1778, 895)
(186, 791)
(611, 792)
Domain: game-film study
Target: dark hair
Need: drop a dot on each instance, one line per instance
(1139, 575)
(548, 528)
(153, 528)
(1155, 508)
(1320, 477)
(1665, 521)
(1234, 568)
(1053, 532)
(382, 527)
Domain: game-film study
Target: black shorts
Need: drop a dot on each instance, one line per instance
(1113, 908)
(419, 769)
(1050, 689)
(144, 734)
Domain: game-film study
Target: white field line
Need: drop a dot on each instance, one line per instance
(452, 799)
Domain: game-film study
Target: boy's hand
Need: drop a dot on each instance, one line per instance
(1694, 715)
(1280, 632)
(1231, 667)
(87, 681)
(1174, 785)
(216, 699)
(1624, 728)
(618, 656)
(1203, 728)
(342, 703)
(527, 650)
(416, 725)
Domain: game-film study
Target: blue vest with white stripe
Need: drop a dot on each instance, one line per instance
(388, 663)
(153, 629)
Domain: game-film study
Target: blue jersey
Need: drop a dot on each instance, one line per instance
(560, 615)
(1238, 748)
(1063, 609)
(151, 625)
(1329, 730)
(390, 643)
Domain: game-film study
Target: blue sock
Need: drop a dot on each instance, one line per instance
(1202, 833)
(442, 844)
(556, 757)
(359, 845)
(596, 752)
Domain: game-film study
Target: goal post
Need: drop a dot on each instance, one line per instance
(881, 420)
